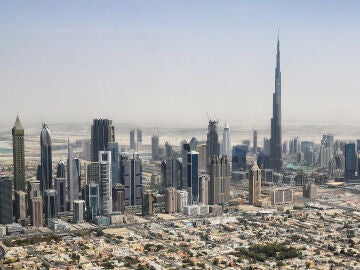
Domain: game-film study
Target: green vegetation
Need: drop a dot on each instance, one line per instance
(261, 253)
(32, 240)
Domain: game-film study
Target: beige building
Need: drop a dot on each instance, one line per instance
(201, 148)
(170, 200)
(204, 189)
(37, 212)
(254, 184)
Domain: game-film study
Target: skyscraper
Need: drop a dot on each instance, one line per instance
(18, 156)
(239, 158)
(193, 175)
(113, 147)
(72, 178)
(275, 141)
(350, 161)
(254, 141)
(92, 200)
(219, 184)
(60, 170)
(136, 139)
(79, 211)
(131, 178)
(226, 143)
(254, 184)
(50, 201)
(212, 143)
(46, 159)
(6, 204)
(36, 211)
(105, 181)
(21, 207)
(102, 132)
(60, 187)
(155, 147)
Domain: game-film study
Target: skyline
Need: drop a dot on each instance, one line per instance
(59, 57)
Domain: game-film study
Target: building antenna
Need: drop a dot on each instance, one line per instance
(208, 115)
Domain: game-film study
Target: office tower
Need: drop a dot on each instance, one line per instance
(275, 141)
(72, 178)
(254, 141)
(38, 172)
(226, 142)
(6, 203)
(132, 139)
(266, 146)
(92, 200)
(92, 173)
(136, 139)
(18, 156)
(118, 198)
(86, 150)
(172, 172)
(168, 150)
(105, 181)
(155, 147)
(131, 178)
(193, 175)
(21, 207)
(79, 211)
(285, 148)
(182, 200)
(201, 148)
(113, 147)
(60, 170)
(193, 144)
(185, 149)
(254, 184)
(263, 161)
(204, 190)
(212, 143)
(60, 187)
(33, 189)
(102, 132)
(163, 171)
(147, 203)
(239, 158)
(46, 159)
(357, 145)
(219, 185)
(350, 161)
(78, 170)
(170, 200)
(139, 135)
(50, 206)
(329, 141)
(37, 211)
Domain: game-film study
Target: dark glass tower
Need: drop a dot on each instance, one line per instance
(46, 159)
(18, 156)
(275, 141)
(212, 143)
(60, 171)
(102, 132)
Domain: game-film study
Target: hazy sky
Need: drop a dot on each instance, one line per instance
(174, 61)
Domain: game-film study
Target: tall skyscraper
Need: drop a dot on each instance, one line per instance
(136, 139)
(185, 149)
(6, 203)
(170, 200)
(60, 187)
(226, 142)
(79, 211)
(204, 189)
(36, 211)
(219, 184)
(113, 147)
(239, 158)
(212, 143)
(275, 141)
(105, 183)
(147, 203)
(193, 175)
(18, 156)
(92, 200)
(102, 132)
(72, 178)
(21, 207)
(131, 178)
(46, 159)
(155, 147)
(60, 170)
(118, 198)
(254, 141)
(254, 184)
(350, 161)
(50, 201)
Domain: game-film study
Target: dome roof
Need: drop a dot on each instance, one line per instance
(45, 136)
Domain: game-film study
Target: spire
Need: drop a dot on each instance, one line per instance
(17, 124)
(278, 51)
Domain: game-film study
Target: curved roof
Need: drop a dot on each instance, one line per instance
(45, 135)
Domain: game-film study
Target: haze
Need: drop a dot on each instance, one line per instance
(175, 61)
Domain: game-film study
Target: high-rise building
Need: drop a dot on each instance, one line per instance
(33, 189)
(60, 187)
(172, 172)
(102, 132)
(147, 203)
(118, 198)
(92, 200)
(37, 211)
(239, 158)
(212, 143)
(155, 147)
(92, 173)
(254, 184)
(204, 189)
(254, 141)
(60, 170)
(21, 207)
(131, 178)
(6, 203)
(50, 206)
(46, 159)
(350, 161)
(185, 149)
(18, 156)
(113, 147)
(72, 178)
(226, 142)
(105, 182)
(182, 199)
(201, 148)
(219, 184)
(78, 170)
(275, 141)
(193, 175)
(170, 200)
(136, 139)
(79, 211)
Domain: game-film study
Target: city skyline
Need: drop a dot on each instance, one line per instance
(174, 52)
